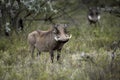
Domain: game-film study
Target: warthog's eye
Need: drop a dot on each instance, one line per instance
(56, 31)
(91, 14)
(65, 30)
(97, 13)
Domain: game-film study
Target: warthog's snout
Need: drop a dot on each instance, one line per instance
(94, 18)
(63, 38)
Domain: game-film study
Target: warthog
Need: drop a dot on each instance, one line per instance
(93, 15)
(50, 40)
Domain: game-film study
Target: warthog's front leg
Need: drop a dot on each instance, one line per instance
(51, 55)
(58, 54)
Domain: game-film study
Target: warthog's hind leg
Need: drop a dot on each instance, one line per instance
(32, 50)
(38, 53)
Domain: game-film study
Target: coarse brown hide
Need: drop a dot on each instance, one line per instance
(50, 40)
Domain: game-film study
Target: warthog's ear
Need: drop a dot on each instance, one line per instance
(89, 8)
(55, 30)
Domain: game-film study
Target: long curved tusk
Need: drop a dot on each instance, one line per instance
(70, 36)
(57, 39)
(99, 17)
(89, 17)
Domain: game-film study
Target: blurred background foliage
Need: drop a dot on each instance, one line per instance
(47, 10)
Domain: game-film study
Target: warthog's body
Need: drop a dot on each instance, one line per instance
(93, 15)
(48, 41)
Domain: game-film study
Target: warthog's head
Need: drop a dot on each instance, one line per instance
(60, 32)
(93, 14)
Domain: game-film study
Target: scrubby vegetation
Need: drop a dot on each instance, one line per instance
(87, 56)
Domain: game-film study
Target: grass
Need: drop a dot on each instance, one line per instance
(84, 57)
